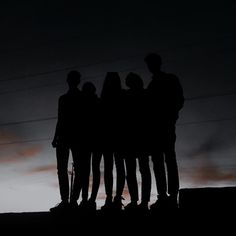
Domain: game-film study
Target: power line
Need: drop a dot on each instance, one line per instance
(28, 121)
(207, 96)
(102, 62)
(61, 83)
(55, 117)
(47, 139)
(44, 43)
(201, 97)
(31, 88)
(30, 75)
(25, 141)
(206, 121)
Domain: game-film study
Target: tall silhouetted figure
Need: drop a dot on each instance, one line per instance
(135, 145)
(67, 138)
(111, 100)
(92, 142)
(166, 98)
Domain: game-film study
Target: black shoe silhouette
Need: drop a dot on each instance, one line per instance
(63, 206)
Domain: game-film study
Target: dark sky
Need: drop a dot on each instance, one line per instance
(42, 40)
(38, 36)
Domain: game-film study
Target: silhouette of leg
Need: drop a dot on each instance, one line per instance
(96, 160)
(62, 154)
(120, 180)
(160, 174)
(86, 161)
(77, 185)
(120, 170)
(146, 178)
(171, 162)
(172, 173)
(171, 166)
(108, 175)
(81, 160)
(132, 182)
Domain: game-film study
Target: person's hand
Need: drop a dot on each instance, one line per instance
(54, 143)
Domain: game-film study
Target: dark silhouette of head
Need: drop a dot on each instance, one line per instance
(111, 85)
(89, 88)
(154, 62)
(73, 79)
(134, 81)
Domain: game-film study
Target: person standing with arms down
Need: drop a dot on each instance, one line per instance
(92, 126)
(67, 139)
(111, 102)
(165, 95)
(135, 137)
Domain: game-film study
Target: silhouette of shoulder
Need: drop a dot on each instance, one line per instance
(174, 79)
(176, 90)
(71, 95)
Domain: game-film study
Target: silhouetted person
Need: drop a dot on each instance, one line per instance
(92, 125)
(67, 137)
(165, 101)
(135, 142)
(111, 97)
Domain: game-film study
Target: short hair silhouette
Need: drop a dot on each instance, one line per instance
(73, 78)
(134, 81)
(153, 58)
(89, 88)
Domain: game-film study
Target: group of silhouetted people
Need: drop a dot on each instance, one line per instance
(121, 126)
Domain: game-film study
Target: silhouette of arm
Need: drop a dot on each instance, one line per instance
(57, 130)
(178, 94)
(55, 139)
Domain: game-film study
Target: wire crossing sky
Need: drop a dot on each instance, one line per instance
(41, 41)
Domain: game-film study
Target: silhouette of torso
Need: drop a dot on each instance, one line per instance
(135, 119)
(69, 117)
(165, 98)
(92, 122)
(111, 121)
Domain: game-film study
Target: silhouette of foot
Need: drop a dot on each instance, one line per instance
(91, 205)
(83, 205)
(143, 206)
(160, 204)
(117, 203)
(132, 206)
(108, 205)
(63, 206)
(164, 203)
(74, 206)
(173, 202)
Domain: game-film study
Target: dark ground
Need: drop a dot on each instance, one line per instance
(211, 209)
